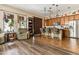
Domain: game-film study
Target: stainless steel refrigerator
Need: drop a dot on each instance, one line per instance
(74, 28)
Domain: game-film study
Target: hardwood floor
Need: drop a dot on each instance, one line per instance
(70, 45)
(35, 46)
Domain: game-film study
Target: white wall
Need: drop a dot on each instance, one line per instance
(15, 11)
(1, 20)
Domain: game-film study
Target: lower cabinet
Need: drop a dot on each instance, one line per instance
(10, 37)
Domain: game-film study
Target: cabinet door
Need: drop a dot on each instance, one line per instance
(62, 21)
(59, 19)
(72, 17)
(37, 25)
(50, 22)
(53, 21)
(46, 23)
(77, 16)
(66, 19)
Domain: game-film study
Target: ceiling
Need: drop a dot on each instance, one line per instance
(38, 9)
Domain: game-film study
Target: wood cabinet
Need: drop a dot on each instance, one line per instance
(54, 20)
(62, 20)
(77, 16)
(66, 33)
(66, 18)
(10, 37)
(72, 17)
(37, 25)
(46, 22)
(58, 19)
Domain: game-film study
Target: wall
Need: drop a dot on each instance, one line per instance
(15, 11)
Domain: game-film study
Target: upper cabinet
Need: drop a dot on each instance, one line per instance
(71, 17)
(77, 16)
(66, 19)
(62, 21)
(46, 23)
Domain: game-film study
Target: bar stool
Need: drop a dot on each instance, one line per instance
(42, 30)
(54, 33)
(48, 30)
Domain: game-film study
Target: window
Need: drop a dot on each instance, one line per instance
(8, 22)
(22, 22)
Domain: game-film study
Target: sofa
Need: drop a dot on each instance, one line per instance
(2, 38)
(22, 34)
